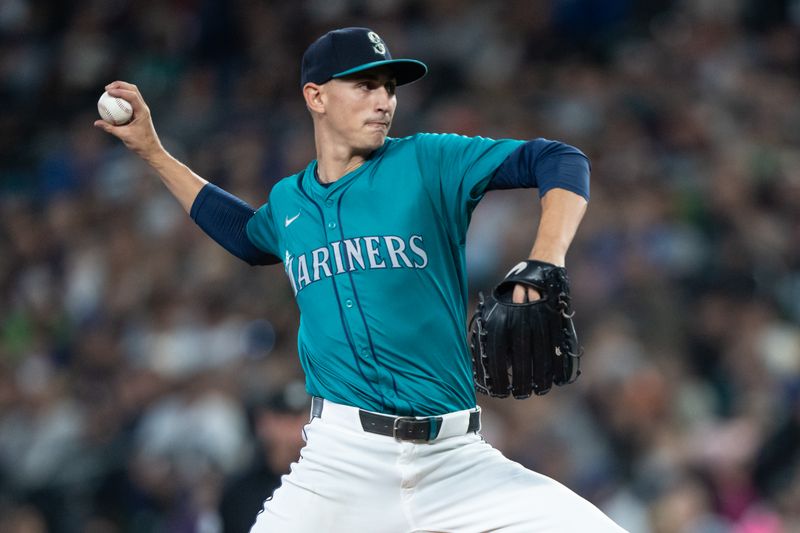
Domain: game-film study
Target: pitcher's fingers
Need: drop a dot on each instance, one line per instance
(106, 127)
(533, 295)
(118, 84)
(519, 295)
(132, 97)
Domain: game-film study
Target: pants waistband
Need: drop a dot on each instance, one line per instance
(406, 428)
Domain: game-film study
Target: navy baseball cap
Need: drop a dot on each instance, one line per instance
(349, 50)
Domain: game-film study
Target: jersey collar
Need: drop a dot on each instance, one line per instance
(312, 185)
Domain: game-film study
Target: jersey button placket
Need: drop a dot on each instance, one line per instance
(332, 223)
(349, 304)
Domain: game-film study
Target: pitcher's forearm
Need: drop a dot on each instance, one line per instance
(562, 212)
(179, 179)
(139, 136)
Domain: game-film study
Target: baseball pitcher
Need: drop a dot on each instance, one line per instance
(371, 236)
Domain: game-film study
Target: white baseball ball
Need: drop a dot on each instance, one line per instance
(114, 110)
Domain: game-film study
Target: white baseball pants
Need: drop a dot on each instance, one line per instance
(351, 481)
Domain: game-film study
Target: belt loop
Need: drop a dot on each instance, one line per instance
(316, 407)
(435, 426)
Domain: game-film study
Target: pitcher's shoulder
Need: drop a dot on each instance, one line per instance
(288, 185)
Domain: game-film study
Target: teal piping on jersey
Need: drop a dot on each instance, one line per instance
(311, 171)
(345, 326)
(350, 177)
(361, 310)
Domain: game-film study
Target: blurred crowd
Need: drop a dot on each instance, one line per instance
(149, 381)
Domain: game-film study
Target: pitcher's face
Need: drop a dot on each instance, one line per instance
(359, 108)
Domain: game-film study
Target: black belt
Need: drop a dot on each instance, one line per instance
(401, 427)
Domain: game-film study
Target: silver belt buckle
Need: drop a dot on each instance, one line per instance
(397, 422)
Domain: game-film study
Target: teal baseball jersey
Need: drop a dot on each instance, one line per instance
(376, 260)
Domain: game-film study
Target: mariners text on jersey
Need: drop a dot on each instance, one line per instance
(339, 257)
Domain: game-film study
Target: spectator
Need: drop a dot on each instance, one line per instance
(278, 425)
(685, 273)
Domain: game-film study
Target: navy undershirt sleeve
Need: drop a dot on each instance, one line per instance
(544, 164)
(224, 218)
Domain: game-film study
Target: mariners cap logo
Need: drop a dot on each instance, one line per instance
(346, 51)
(377, 43)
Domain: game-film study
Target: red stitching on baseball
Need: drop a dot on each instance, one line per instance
(119, 104)
(106, 114)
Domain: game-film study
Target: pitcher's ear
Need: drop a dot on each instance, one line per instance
(313, 96)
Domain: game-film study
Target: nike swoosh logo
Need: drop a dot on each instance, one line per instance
(519, 267)
(288, 220)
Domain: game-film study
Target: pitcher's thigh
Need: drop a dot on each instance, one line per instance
(289, 509)
(338, 485)
(544, 505)
(481, 490)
